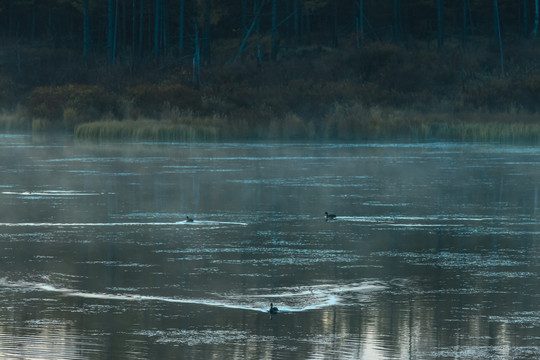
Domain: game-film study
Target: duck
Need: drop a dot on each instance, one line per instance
(188, 219)
(273, 309)
(329, 216)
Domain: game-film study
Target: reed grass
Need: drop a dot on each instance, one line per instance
(145, 130)
(14, 121)
(480, 132)
(356, 121)
(346, 122)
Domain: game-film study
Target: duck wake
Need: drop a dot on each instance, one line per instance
(296, 299)
(116, 224)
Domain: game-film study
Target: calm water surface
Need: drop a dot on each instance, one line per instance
(434, 254)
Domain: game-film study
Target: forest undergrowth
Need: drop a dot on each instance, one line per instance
(382, 90)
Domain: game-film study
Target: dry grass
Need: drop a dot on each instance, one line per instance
(350, 122)
(14, 121)
(145, 130)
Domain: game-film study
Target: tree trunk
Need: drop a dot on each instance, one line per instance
(164, 29)
(296, 21)
(464, 30)
(360, 40)
(157, 27)
(206, 35)
(115, 33)
(196, 61)
(181, 29)
(133, 34)
(244, 18)
(306, 32)
(34, 16)
(133, 27)
(86, 31)
(253, 24)
(141, 24)
(123, 38)
(525, 18)
(110, 31)
(396, 29)
(11, 19)
(335, 27)
(274, 33)
(498, 27)
(256, 5)
(440, 37)
(535, 30)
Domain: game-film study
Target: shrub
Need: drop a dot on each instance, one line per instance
(84, 102)
(505, 94)
(45, 103)
(150, 99)
(8, 95)
(529, 95)
(71, 118)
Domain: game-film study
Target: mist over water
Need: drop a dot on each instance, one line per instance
(433, 254)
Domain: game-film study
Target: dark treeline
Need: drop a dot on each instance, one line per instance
(155, 28)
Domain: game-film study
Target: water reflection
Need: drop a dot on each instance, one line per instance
(433, 253)
(45, 340)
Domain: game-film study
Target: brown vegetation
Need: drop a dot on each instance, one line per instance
(380, 91)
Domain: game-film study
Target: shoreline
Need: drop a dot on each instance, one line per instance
(347, 123)
(373, 124)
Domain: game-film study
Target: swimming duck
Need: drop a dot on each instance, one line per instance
(273, 309)
(188, 219)
(329, 216)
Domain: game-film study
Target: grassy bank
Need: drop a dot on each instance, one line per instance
(145, 130)
(345, 123)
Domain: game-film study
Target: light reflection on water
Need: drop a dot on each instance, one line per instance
(433, 254)
(296, 299)
(45, 340)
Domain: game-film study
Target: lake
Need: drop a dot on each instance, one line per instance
(434, 253)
